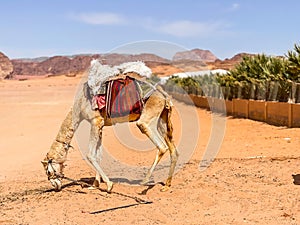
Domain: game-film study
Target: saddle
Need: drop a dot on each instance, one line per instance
(121, 97)
(116, 89)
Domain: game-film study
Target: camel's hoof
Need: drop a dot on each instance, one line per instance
(96, 183)
(145, 181)
(91, 188)
(165, 188)
(109, 186)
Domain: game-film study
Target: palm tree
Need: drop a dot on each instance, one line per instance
(256, 76)
(293, 58)
(259, 77)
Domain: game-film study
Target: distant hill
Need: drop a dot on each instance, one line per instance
(228, 64)
(56, 65)
(71, 65)
(193, 60)
(6, 67)
(195, 55)
(38, 59)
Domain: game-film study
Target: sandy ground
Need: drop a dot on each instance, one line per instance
(250, 181)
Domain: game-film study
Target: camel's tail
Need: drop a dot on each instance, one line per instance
(167, 112)
(169, 123)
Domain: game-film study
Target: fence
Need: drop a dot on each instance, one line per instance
(275, 113)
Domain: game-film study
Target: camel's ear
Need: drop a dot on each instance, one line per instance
(44, 162)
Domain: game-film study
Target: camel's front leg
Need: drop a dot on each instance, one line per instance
(95, 146)
(97, 180)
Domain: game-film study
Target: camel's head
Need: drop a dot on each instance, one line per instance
(54, 171)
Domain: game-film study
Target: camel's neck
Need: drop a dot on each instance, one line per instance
(59, 147)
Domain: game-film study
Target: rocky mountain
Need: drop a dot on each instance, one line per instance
(6, 67)
(71, 65)
(56, 65)
(193, 60)
(195, 55)
(115, 58)
(228, 64)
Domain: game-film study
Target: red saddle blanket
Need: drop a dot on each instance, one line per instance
(123, 98)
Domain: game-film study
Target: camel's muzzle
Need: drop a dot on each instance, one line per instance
(54, 173)
(56, 183)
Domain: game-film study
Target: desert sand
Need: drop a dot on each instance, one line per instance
(249, 182)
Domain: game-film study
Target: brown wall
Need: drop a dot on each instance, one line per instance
(296, 115)
(219, 105)
(257, 110)
(200, 101)
(276, 113)
(229, 107)
(240, 108)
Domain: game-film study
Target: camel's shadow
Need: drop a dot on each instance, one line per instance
(296, 179)
(90, 180)
(116, 180)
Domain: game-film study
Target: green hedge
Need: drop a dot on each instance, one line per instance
(258, 77)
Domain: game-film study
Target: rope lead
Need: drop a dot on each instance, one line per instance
(137, 199)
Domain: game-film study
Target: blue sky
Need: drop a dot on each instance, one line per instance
(31, 28)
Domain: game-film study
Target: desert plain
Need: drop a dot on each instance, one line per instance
(249, 182)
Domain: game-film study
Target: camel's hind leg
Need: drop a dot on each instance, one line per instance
(95, 145)
(148, 124)
(166, 130)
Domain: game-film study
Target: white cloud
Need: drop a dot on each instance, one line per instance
(103, 18)
(186, 28)
(178, 28)
(234, 7)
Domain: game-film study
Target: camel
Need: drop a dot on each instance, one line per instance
(154, 121)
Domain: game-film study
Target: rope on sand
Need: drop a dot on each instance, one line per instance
(139, 201)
